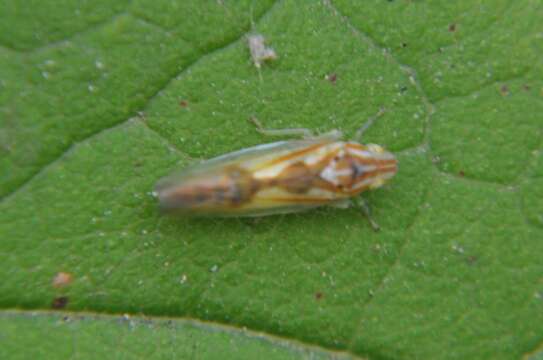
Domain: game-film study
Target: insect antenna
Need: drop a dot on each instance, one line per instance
(368, 124)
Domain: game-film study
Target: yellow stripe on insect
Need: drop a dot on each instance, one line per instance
(281, 177)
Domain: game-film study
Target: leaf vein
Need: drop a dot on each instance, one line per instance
(137, 111)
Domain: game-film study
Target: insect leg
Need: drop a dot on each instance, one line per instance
(305, 133)
(368, 124)
(302, 132)
(363, 204)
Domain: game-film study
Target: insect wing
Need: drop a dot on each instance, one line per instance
(241, 183)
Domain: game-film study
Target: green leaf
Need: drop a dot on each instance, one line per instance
(89, 337)
(98, 101)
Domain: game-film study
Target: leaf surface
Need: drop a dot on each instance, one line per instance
(99, 101)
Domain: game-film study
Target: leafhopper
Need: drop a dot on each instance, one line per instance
(280, 177)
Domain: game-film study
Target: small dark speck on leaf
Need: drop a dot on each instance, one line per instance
(461, 173)
(526, 87)
(183, 103)
(504, 90)
(332, 78)
(452, 27)
(472, 259)
(404, 45)
(403, 89)
(59, 302)
(318, 295)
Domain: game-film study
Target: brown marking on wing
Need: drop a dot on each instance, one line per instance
(297, 178)
(322, 184)
(243, 186)
(234, 187)
(317, 168)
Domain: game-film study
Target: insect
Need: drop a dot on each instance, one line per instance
(280, 177)
(260, 52)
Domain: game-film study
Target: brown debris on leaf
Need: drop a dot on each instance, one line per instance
(62, 279)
